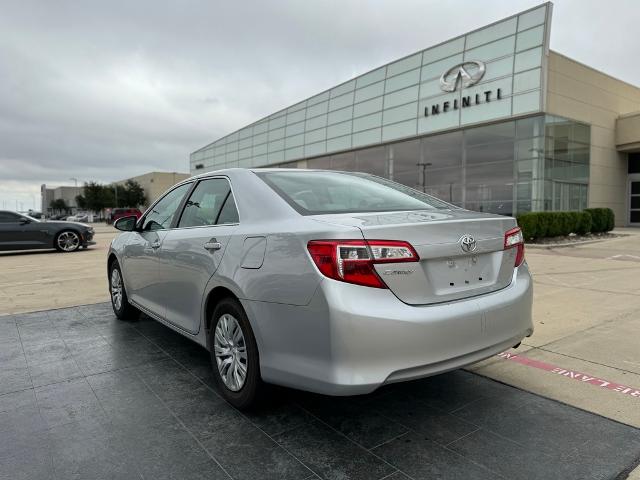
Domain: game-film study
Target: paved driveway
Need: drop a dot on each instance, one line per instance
(85, 396)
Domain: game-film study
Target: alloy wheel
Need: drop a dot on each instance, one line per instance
(116, 288)
(68, 241)
(230, 351)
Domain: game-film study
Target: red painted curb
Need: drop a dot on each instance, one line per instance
(572, 374)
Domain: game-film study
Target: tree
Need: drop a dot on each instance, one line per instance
(134, 194)
(59, 204)
(97, 197)
(81, 202)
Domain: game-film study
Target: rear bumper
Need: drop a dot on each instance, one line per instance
(351, 339)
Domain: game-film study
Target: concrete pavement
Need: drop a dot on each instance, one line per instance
(45, 279)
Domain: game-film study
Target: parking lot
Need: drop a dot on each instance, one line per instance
(83, 395)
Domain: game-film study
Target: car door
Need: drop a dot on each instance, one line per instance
(141, 261)
(192, 251)
(9, 228)
(18, 232)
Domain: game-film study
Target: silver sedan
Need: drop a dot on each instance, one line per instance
(330, 282)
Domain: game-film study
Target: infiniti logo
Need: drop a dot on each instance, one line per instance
(469, 73)
(468, 243)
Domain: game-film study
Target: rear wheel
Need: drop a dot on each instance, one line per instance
(234, 355)
(67, 241)
(119, 301)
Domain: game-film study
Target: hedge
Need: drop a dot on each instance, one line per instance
(556, 224)
(603, 219)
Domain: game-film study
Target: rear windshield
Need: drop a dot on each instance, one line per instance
(319, 192)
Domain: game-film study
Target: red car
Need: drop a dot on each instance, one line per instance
(117, 213)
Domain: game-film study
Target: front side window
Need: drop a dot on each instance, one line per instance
(211, 203)
(315, 193)
(162, 213)
(8, 217)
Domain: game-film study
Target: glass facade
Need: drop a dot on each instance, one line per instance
(530, 164)
(402, 99)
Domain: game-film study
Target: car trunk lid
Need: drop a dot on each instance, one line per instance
(447, 270)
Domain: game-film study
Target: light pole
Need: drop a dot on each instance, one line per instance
(424, 174)
(75, 180)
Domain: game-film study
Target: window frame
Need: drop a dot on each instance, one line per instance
(176, 221)
(142, 219)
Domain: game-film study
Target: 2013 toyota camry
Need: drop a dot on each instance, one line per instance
(331, 282)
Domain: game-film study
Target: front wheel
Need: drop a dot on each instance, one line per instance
(68, 241)
(234, 355)
(119, 301)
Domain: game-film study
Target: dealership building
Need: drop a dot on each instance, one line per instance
(491, 120)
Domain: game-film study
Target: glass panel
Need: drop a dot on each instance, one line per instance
(367, 122)
(526, 80)
(294, 141)
(339, 129)
(321, 163)
(341, 115)
(532, 18)
(371, 91)
(372, 160)
(401, 96)
(291, 153)
(345, 162)
(530, 38)
(295, 129)
(339, 143)
(316, 122)
(399, 130)
(315, 149)
(332, 192)
(526, 102)
(341, 102)
(342, 89)
(318, 109)
(367, 137)
(274, 134)
(371, 77)
(528, 59)
(491, 133)
(315, 136)
(397, 114)
(405, 156)
(162, 213)
(443, 150)
(296, 116)
(444, 50)
(492, 32)
(405, 64)
(205, 204)
(401, 81)
(436, 69)
(365, 108)
(497, 49)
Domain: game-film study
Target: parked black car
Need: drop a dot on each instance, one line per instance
(22, 232)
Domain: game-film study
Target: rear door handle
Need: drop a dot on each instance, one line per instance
(213, 245)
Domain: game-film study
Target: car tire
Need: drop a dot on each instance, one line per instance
(228, 318)
(67, 241)
(119, 300)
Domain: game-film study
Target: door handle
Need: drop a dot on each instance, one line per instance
(155, 244)
(213, 245)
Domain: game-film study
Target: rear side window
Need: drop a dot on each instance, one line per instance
(211, 203)
(317, 192)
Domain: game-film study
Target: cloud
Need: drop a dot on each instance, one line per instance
(106, 90)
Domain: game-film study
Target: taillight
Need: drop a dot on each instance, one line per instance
(352, 261)
(514, 239)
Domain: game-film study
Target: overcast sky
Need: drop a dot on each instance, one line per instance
(106, 90)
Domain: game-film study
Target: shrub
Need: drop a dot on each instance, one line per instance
(583, 224)
(603, 219)
(555, 224)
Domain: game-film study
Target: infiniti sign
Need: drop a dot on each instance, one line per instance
(468, 73)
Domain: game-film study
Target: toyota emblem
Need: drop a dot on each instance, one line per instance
(468, 243)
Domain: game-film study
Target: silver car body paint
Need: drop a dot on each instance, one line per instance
(327, 336)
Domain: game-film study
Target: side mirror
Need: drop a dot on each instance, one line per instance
(126, 224)
(24, 220)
